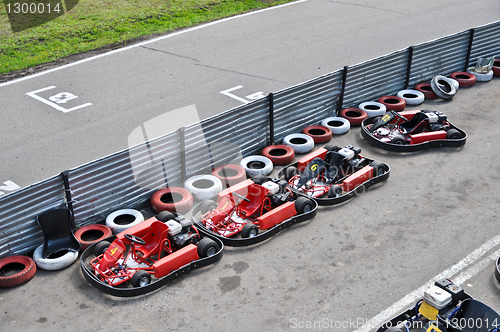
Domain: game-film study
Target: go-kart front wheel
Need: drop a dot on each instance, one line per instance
(140, 279)
(249, 230)
(378, 168)
(334, 191)
(101, 247)
(453, 134)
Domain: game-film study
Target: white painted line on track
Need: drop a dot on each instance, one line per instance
(412, 297)
(148, 42)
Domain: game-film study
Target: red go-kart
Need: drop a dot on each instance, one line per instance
(152, 247)
(413, 127)
(258, 203)
(332, 171)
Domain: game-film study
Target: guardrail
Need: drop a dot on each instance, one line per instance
(104, 185)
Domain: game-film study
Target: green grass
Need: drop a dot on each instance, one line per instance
(93, 24)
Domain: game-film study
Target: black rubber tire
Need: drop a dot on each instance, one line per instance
(207, 247)
(165, 216)
(249, 230)
(453, 134)
(259, 179)
(207, 205)
(334, 191)
(140, 277)
(26, 274)
(378, 168)
(101, 247)
(398, 140)
(332, 147)
(290, 172)
(303, 205)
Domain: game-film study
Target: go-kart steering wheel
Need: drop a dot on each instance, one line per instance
(242, 197)
(399, 116)
(134, 239)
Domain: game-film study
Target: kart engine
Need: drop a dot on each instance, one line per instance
(179, 232)
(436, 120)
(350, 153)
(441, 300)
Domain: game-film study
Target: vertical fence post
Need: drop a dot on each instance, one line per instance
(408, 66)
(341, 97)
(69, 201)
(271, 119)
(182, 133)
(469, 48)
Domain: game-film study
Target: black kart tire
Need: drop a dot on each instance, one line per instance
(165, 216)
(398, 140)
(334, 191)
(207, 205)
(249, 230)
(207, 247)
(140, 278)
(332, 147)
(378, 168)
(290, 172)
(453, 134)
(101, 247)
(303, 205)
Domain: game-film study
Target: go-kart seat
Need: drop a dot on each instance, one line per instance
(335, 160)
(57, 233)
(411, 124)
(472, 311)
(153, 238)
(256, 195)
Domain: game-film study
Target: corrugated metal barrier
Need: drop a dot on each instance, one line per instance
(129, 177)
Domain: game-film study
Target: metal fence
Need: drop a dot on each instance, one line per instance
(129, 177)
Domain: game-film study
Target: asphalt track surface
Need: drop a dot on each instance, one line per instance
(360, 262)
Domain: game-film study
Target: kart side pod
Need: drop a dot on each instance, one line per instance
(277, 215)
(425, 137)
(358, 178)
(175, 260)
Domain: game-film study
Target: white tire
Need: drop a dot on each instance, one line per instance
(454, 82)
(53, 264)
(412, 97)
(300, 143)
(481, 77)
(203, 186)
(443, 87)
(373, 108)
(114, 219)
(337, 125)
(246, 163)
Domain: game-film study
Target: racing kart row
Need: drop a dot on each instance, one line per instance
(146, 256)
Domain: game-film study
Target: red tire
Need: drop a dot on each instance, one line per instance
(230, 174)
(15, 262)
(496, 67)
(426, 89)
(90, 234)
(393, 103)
(464, 79)
(354, 115)
(320, 134)
(280, 154)
(174, 199)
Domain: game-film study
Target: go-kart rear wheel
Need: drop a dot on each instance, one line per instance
(207, 247)
(290, 172)
(207, 205)
(165, 216)
(303, 205)
(378, 168)
(140, 278)
(101, 247)
(249, 230)
(259, 179)
(398, 140)
(453, 134)
(332, 147)
(334, 191)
